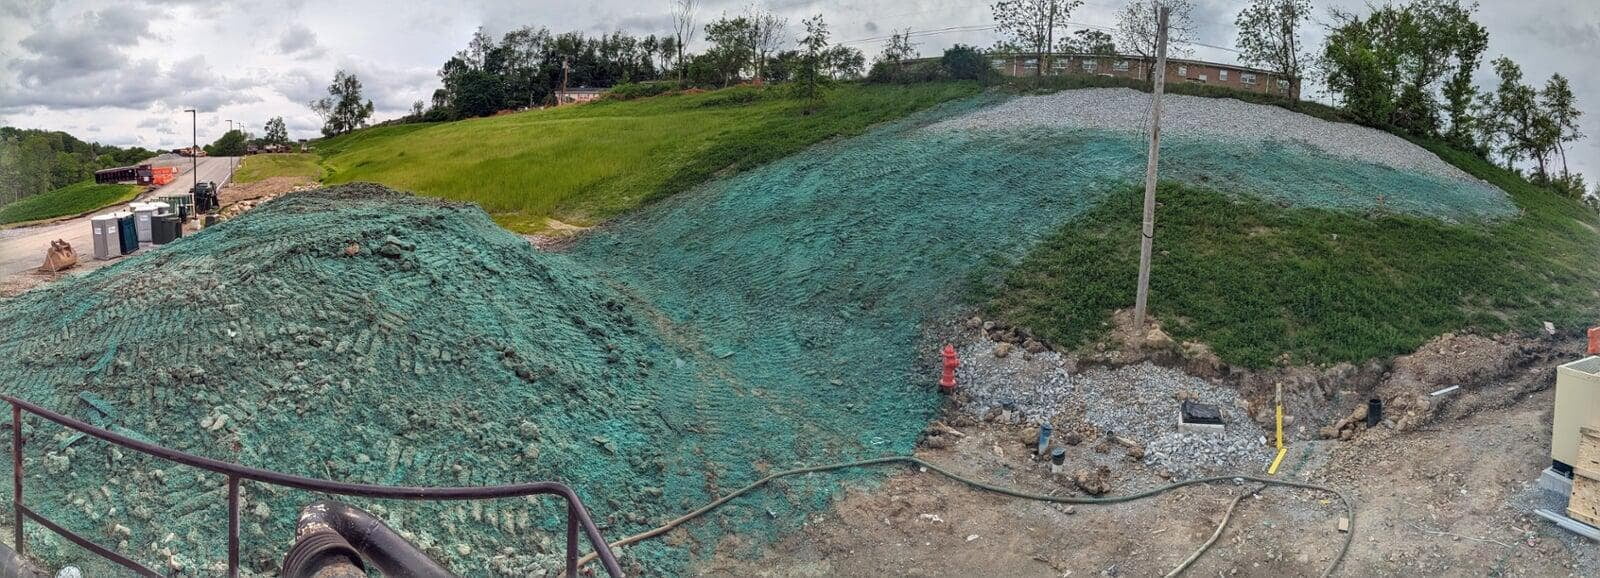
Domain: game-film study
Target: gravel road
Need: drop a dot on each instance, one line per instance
(1127, 110)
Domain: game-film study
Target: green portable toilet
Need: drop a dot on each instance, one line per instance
(127, 232)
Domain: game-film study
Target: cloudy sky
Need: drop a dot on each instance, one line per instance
(121, 71)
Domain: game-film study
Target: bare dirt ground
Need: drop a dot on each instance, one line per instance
(1454, 500)
(1445, 487)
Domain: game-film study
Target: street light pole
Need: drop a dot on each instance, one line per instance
(194, 148)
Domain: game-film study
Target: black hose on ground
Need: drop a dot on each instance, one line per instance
(1344, 548)
(330, 529)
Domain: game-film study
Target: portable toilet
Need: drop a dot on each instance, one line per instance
(142, 213)
(127, 231)
(165, 229)
(107, 241)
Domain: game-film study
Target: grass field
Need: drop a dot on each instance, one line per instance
(1255, 280)
(65, 201)
(265, 166)
(583, 164)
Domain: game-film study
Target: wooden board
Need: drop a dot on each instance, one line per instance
(1587, 462)
(1584, 505)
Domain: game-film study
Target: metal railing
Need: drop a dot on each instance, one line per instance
(577, 515)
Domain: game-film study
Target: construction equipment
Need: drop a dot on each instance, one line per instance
(59, 257)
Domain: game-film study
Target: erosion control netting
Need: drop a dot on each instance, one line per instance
(766, 321)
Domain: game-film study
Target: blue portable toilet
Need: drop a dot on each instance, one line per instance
(130, 236)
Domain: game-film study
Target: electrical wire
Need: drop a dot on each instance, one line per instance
(1349, 508)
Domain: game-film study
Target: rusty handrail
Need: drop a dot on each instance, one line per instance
(577, 514)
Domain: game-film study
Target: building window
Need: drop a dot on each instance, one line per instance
(999, 63)
(1202, 78)
(1183, 71)
(1283, 85)
(1120, 66)
(1031, 64)
(1247, 77)
(1222, 75)
(1091, 65)
(1060, 64)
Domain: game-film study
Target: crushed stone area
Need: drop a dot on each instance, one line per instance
(1138, 403)
(1128, 110)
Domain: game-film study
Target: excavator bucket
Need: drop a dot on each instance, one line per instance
(60, 256)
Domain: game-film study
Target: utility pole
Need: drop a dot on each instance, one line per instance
(194, 147)
(564, 68)
(230, 125)
(1147, 233)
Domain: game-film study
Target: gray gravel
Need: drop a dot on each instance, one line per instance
(1139, 402)
(1127, 110)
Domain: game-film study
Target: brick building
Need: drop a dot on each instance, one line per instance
(1137, 67)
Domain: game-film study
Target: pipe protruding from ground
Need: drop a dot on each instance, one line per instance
(334, 540)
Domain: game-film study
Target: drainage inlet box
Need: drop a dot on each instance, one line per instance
(1577, 405)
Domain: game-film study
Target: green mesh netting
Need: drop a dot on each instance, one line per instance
(765, 321)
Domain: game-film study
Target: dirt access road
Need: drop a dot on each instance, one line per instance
(1451, 500)
(22, 249)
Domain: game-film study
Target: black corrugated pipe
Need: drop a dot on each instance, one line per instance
(328, 531)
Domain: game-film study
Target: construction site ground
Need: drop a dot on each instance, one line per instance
(1453, 499)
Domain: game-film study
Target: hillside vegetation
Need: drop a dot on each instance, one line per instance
(1255, 280)
(69, 200)
(265, 166)
(583, 164)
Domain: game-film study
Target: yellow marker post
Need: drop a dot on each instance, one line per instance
(1273, 469)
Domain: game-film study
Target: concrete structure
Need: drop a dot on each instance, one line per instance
(1138, 68)
(578, 95)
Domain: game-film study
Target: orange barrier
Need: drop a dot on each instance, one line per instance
(1594, 341)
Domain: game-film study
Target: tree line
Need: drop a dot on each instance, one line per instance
(36, 161)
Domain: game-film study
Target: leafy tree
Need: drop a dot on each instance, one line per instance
(781, 66)
(964, 62)
(1524, 129)
(1559, 103)
(1386, 66)
(768, 34)
(844, 62)
(1139, 22)
(815, 46)
(731, 47)
(230, 144)
(898, 49)
(342, 110)
(1269, 36)
(1089, 41)
(276, 132)
(1033, 23)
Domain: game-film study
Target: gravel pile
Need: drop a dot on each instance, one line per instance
(1138, 402)
(1127, 110)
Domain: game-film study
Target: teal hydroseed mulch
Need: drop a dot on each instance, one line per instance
(763, 322)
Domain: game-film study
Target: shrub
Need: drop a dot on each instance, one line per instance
(962, 62)
(632, 90)
(906, 72)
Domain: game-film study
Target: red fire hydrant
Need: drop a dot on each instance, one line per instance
(947, 383)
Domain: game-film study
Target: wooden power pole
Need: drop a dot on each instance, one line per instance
(1148, 231)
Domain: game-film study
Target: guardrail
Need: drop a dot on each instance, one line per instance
(577, 515)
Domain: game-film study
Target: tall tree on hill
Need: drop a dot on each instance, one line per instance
(897, 50)
(1138, 25)
(1559, 103)
(843, 62)
(276, 132)
(1526, 130)
(730, 50)
(682, 28)
(1269, 36)
(769, 32)
(1033, 23)
(1386, 66)
(1088, 41)
(815, 47)
(342, 110)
